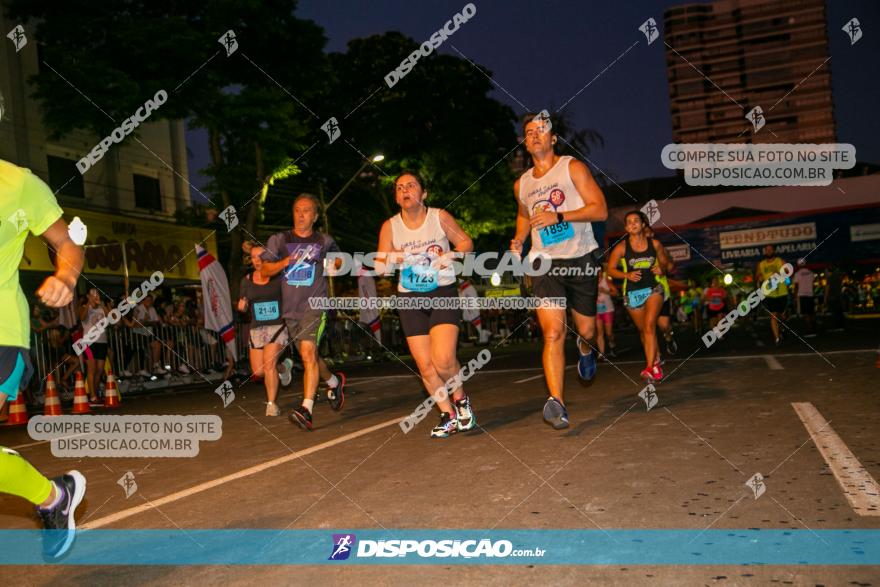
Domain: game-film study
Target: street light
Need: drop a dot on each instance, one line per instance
(374, 159)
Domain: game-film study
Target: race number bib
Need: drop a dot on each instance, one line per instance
(601, 308)
(556, 233)
(304, 258)
(637, 298)
(266, 311)
(300, 275)
(420, 278)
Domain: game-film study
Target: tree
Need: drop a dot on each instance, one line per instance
(438, 120)
(101, 61)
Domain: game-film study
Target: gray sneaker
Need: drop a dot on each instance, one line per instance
(555, 414)
(286, 373)
(272, 409)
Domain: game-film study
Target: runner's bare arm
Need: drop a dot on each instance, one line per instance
(386, 256)
(595, 209)
(460, 240)
(270, 268)
(614, 262)
(57, 290)
(523, 225)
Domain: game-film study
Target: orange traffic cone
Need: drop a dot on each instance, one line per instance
(111, 392)
(17, 412)
(80, 397)
(52, 405)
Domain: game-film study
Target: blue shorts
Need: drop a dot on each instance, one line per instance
(15, 370)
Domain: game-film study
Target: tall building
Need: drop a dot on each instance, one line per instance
(766, 53)
(127, 199)
(128, 178)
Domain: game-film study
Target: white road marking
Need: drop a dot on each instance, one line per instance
(774, 364)
(178, 495)
(539, 376)
(859, 487)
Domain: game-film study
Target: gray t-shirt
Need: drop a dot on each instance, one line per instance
(303, 278)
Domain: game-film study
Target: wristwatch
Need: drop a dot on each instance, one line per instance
(559, 217)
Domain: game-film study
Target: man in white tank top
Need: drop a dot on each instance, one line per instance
(557, 200)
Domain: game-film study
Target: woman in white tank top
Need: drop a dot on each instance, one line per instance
(90, 313)
(422, 241)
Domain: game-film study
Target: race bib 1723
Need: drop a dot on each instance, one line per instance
(420, 278)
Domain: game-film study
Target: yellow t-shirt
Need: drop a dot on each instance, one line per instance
(766, 268)
(27, 204)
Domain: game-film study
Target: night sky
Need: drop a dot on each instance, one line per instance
(543, 53)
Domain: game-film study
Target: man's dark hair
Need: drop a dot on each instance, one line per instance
(531, 116)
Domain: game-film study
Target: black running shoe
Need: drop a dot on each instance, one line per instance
(301, 417)
(59, 523)
(671, 346)
(336, 395)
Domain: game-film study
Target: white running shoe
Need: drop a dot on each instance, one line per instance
(272, 409)
(286, 374)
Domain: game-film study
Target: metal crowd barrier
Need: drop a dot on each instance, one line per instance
(192, 354)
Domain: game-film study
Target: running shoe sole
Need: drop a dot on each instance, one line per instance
(299, 420)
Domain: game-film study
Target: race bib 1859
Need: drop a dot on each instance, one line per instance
(556, 233)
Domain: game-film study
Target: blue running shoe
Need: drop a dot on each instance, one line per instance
(555, 414)
(586, 361)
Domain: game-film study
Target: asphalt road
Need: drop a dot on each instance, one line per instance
(724, 414)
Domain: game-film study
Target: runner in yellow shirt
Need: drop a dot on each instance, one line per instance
(28, 205)
(777, 299)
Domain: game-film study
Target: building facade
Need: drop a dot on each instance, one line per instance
(147, 181)
(727, 57)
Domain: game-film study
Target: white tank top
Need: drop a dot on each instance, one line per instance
(93, 316)
(555, 192)
(421, 247)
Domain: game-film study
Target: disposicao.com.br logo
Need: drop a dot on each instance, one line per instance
(344, 545)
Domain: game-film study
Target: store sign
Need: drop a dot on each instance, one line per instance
(769, 235)
(149, 246)
(679, 252)
(864, 232)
